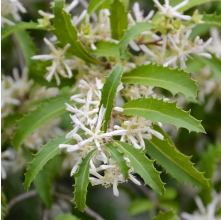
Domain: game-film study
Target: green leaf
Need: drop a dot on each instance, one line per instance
(34, 119)
(168, 215)
(66, 217)
(174, 162)
(93, 5)
(108, 49)
(47, 152)
(82, 181)
(174, 80)
(133, 32)
(208, 163)
(27, 46)
(212, 19)
(119, 158)
(157, 110)
(67, 33)
(140, 206)
(142, 166)
(44, 179)
(20, 26)
(118, 20)
(109, 91)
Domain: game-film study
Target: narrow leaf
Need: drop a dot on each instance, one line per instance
(157, 110)
(20, 26)
(174, 162)
(174, 80)
(93, 5)
(82, 181)
(212, 19)
(67, 33)
(109, 91)
(33, 120)
(142, 166)
(133, 32)
(47, 152)
(119, 158)
(118, 20)
(168, 215)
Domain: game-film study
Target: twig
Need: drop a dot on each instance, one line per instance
(88, 211)
(21, 197)
(149, 42)
(45, 215)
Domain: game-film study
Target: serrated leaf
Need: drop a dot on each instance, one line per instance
(119, 158)
(27, 46)
(67, 33)
(82, 181)
(108, 49)
(133, 32)
(34, 119)
(47, 152)
(208, 163)
(157, 110)
(43, 180)
(174, 80)
(118, 20)
(109, 91)
(140, 206)
(66, 217)
(20, 26)
(212, 19)
(168, 215)
(142, 166)
(93, 5)
(174, 162)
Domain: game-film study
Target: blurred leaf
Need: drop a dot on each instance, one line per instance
(43, 180)
(20, 26)
(139, 206)
(66, 217)
(47, 152)
(82, 181)
(174, 162)
(119, 158)
(109, 91)
(142, 166)
(168, 215)
(133, 32)
(34, 119)
(93, 5)
(157, 110)
(174, 80)
(118, 20)
(27, 46)
(212, 19)
(67, 33)
(170, 194)
(208, 164)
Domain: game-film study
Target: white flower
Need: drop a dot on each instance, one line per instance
(112, 176)
(95, 135)
(136, 130)
(215, 46)
(205, 213)
(170, 11)
(11, 7)
(59, 62)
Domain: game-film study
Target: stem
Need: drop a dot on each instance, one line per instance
(88, 211)
(150, 42)
(21, 197)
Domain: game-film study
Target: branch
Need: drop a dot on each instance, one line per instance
(21, 197)
(88, 211)
(149, 42)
